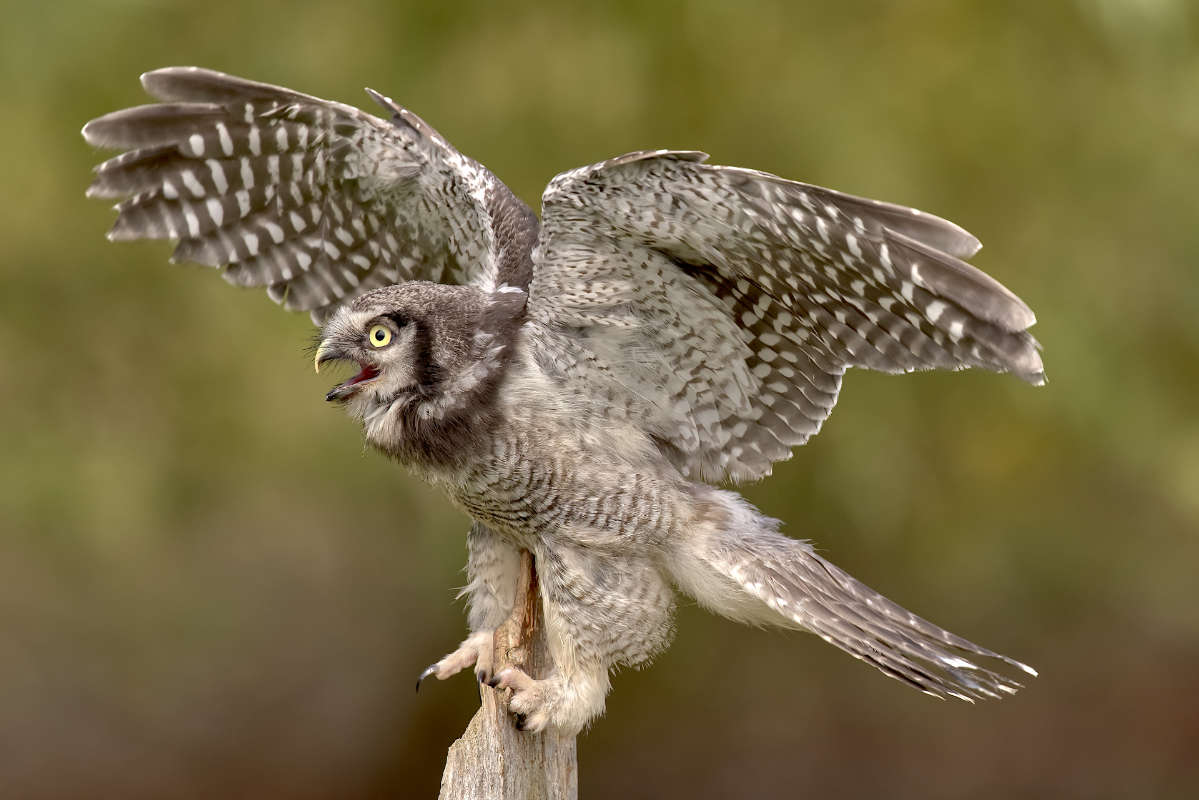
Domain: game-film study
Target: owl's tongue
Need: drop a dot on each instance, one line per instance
(368, 373)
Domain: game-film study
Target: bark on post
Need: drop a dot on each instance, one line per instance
(493, 760)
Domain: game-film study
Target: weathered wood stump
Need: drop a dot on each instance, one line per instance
(493, 760)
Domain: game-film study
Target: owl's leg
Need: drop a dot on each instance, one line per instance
(602, 608)
(492, 568)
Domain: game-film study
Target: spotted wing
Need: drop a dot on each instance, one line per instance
(719, 307)
(314, 200)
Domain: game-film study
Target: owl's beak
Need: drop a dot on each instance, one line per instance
(330, 351)
(323, 353)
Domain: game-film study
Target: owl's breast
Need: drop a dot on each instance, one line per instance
(535, 489)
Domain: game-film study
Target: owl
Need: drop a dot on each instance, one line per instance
(582, 383)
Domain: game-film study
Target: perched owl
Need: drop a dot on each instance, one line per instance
(577, 383)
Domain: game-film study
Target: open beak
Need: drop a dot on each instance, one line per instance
(329, 351)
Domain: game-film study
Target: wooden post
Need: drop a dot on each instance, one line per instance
(493, 760)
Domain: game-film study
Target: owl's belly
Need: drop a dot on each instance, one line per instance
(532, 495)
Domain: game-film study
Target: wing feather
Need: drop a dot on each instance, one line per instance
(314, 200)
(723, 305)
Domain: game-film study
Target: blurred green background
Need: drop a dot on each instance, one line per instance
(209, 588)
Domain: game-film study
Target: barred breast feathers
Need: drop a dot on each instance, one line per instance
(538, 402)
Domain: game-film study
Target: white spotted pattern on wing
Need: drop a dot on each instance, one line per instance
(722, 306)
(315, 200)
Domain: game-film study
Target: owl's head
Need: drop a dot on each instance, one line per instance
(423, 350)
(406, 340)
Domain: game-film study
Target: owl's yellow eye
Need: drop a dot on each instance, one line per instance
(379, 335)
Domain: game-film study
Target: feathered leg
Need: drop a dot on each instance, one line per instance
(737, 564)
(602, 608)
(492, 568)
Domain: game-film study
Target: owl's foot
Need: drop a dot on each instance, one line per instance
(475, 650)
(565, 703)
(532, 700)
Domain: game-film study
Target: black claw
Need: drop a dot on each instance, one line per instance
(481, 675)
(494, 682)
(432, 668)
(520, 722)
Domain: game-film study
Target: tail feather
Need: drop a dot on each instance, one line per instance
(845, 612)
(747, 570)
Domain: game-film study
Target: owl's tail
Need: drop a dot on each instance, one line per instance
(739, 565)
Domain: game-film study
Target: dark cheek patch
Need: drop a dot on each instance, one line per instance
(428, 371)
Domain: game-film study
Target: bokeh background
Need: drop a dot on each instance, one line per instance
(208, 588)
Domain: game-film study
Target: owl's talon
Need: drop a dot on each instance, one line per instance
(474, 651)
(432, 669)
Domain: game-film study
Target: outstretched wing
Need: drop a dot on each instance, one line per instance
(314, 200)
(719, 307)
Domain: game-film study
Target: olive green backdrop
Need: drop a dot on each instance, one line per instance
(208, 588)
